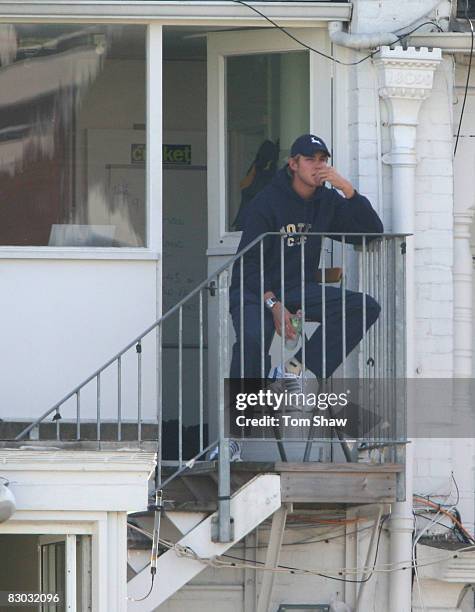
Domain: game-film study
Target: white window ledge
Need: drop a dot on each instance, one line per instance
(78, 253)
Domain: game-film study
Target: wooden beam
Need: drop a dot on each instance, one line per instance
(346, 488)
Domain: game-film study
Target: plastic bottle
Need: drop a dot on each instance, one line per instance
(291, 343)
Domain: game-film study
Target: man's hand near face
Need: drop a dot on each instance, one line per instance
(328, 173)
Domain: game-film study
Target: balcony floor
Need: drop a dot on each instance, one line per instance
(302, 483)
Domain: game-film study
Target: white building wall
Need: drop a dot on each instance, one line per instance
(434, 214)
(433, 341)
(62, 320)
(371, 16)
(229, 589)
(434, 231)
(434, 460)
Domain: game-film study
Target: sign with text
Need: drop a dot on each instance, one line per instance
(176, 154)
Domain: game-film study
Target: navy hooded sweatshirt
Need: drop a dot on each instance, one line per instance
(278, 208)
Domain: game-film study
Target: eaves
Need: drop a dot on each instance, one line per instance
(449, 42)
(227, 12)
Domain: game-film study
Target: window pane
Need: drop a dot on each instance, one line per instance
(72, 135)
(267, 107)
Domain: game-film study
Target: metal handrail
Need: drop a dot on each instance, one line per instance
(373, 262)
(176, 307)
(137, 339)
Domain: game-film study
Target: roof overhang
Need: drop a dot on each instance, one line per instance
(294, 14)
(449, 42)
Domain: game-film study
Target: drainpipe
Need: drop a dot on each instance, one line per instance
(405, 81)
(372, 40)
(359, 41)
(463, 313)
(462, 294)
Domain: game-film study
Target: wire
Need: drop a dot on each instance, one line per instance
(298, 542)
(215, 562)
(457, 524)
(456, 487)
(430, 496)
(468, 78)
(322, 575)
(453, 518)
(414, 544)
(419, 515)
(316, 541)
(416, 572)
(321, 53)
(145, 596)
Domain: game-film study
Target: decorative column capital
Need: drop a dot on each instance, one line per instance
(405, 80)
(406, 73)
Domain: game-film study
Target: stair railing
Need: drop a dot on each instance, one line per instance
(378, 269)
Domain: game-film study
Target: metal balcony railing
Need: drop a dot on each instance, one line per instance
(175, 386)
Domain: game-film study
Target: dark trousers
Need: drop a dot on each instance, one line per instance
(313, 345)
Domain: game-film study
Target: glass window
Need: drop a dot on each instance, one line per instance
(267, 107)
(72, 135)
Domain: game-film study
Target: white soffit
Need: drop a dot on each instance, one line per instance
(183, 12)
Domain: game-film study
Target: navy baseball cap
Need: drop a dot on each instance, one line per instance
(308, 145)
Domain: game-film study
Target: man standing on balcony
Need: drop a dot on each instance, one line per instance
(295, 202)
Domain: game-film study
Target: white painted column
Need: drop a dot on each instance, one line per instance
(154, 150)
(463, 449)
(71, 573)
(294, 107)
(100, 582)
(117, 560)
(405, 81)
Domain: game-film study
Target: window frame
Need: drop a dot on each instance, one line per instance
(228, 44)
(153, 169)
(154, 15)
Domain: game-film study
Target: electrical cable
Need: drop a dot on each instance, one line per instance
(416, 572)
(323, 538)
(426, 518)
(441, 511)
(468, 78)
(454, 519)
(321, 53)
(220, 563)
(215, 562)
(297, 543)
(430, 496)
(314, 541)
(145, 596)
(414, 544)
(322, 575)
(456, 487)
(157, 508)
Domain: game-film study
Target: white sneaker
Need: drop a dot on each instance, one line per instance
(234, 452)
(288, 378)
